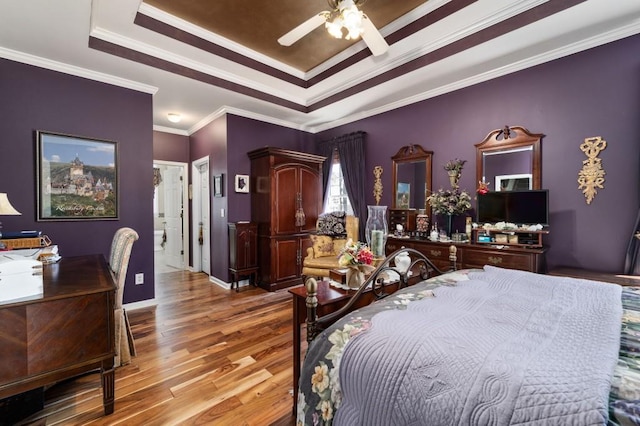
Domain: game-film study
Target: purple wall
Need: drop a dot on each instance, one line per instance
(226, 141)
(170, 147)
(38, 99)
(211, 141)
(246, 135)
(592, 93)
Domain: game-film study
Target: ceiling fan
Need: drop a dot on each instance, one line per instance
(344, 19)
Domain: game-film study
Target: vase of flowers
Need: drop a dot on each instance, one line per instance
(358, 259)
(450, 202)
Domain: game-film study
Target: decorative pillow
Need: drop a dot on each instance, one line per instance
(338, 245)
(322, 245)
(332, 224)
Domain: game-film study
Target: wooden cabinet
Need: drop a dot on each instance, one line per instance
(243, 251)
(513, 238)
(286, 199)
(404, 217)
(474, 255)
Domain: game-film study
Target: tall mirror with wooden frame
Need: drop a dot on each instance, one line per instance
(509, 159)
(411, 175)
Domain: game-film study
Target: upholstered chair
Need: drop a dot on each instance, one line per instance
(330, 239)
(121, 246)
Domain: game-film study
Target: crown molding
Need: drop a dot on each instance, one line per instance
(617, 34)
(170, 130)
(582, 45)
(220, 112)
(137, 46)
(49, 64)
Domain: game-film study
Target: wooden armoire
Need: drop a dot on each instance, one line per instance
(286, 199)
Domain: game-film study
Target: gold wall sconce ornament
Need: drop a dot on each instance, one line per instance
(377, 186)
(592, 174)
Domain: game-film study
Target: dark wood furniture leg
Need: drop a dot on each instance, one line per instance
(108, 386)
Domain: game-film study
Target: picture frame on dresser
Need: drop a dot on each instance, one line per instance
(76, 178)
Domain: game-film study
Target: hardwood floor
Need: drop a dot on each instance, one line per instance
(205, 355)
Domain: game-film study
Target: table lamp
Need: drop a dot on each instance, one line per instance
(6, 209)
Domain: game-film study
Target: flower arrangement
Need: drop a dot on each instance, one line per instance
(454, 165)
(355, 253)
(450, 201)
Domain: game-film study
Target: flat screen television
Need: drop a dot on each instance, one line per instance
(519, 207)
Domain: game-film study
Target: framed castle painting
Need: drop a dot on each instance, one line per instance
(77, 178)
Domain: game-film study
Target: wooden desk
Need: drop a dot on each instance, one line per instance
(67, 331)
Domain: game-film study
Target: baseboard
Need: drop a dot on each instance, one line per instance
(141, 304)
(226, 285)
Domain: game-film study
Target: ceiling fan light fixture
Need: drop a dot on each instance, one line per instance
(334, 26)
(346, 19)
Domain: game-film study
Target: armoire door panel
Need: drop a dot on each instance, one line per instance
(311, 192)
(286, 180)
(286, 254)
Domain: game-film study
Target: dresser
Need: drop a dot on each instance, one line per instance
(285, 203)
(474, 255)
(243, 251)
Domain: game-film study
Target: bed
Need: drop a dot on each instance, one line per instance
(475, 347)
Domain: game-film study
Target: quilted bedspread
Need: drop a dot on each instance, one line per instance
(503, 347)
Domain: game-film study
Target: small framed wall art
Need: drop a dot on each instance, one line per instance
(217, 185)
(242, 183)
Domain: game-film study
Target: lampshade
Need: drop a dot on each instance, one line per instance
(6, 209)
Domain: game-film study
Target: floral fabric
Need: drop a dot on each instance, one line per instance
(332, 224)
(322, 246)
(320, 394)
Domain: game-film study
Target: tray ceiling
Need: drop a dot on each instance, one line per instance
(204, 58)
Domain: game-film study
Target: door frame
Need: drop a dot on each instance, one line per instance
(196, 217)
(185, 206)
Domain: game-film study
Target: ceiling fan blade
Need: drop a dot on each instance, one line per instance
(376, 43)
(303, 29)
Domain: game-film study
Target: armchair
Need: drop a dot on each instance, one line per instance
(333, 231)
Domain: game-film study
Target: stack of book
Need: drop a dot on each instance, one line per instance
(23, 240)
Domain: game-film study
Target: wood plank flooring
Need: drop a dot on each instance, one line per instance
(205, 355)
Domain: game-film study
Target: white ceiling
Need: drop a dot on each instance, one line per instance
(55, 34)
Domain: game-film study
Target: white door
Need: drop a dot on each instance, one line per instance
(174, 245)
(205, 220)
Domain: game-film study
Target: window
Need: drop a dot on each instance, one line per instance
(336, 197)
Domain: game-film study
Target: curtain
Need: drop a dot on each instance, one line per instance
(350, 149)
(632, 261)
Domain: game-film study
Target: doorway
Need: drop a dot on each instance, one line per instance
(170, 216)
(201, 239)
